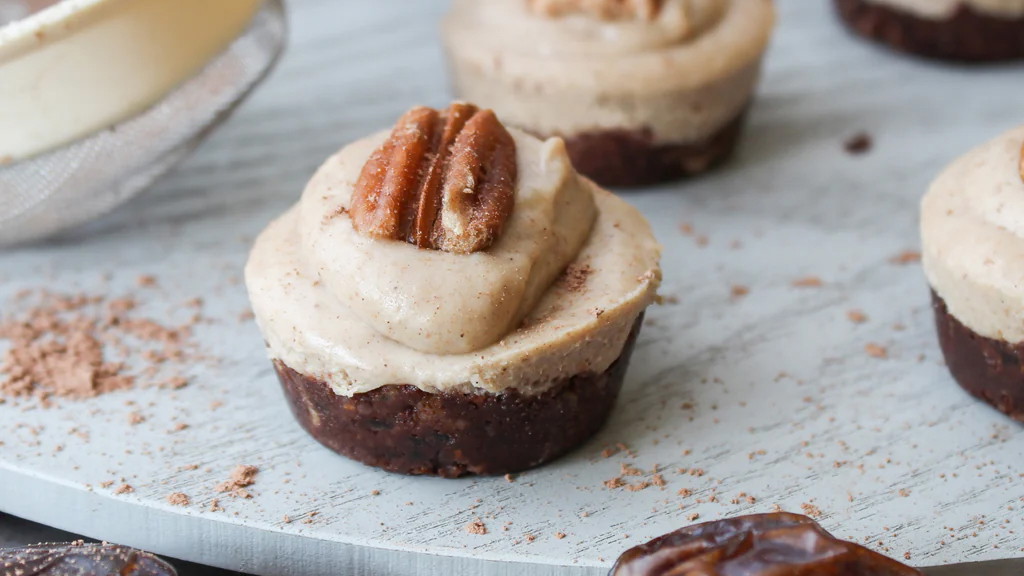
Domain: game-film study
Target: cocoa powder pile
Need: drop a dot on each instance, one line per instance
(81, 346)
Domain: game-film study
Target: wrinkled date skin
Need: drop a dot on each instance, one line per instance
(80, 560)
(779, 544)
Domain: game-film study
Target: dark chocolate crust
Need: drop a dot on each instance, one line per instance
(777, 544)
(403, 429)
(629, 158)
(992, 370)
(968, 36)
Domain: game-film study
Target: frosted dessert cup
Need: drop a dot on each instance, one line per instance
(452, 298)
(642, 91)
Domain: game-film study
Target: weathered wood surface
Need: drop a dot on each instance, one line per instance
(771, 394)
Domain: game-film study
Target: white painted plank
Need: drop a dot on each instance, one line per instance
(792, 205)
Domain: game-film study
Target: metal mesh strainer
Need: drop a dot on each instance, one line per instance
(70, 185)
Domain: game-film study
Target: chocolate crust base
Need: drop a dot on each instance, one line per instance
(629, 158)
(968, 36)
(403, 429)
(992, 370)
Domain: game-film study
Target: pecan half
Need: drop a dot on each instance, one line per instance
(443, 180)
(602, 9)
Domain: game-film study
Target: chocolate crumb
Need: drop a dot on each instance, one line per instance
(876, 351)
(811, 510)
(124, 489)
(145, 281)
(738, 291)
(859, 143)
(241, 477)
(476, 527)
(178, 499)
(560, 535)
(80, 346)
(808, 282)
(905, 257)
(857, 316)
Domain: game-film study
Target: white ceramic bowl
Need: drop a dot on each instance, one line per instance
(102, 96)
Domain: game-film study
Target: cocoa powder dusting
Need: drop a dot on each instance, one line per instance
(79, 346)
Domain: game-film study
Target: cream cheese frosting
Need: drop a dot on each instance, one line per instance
(943, 9)
(972, 232)
(437, 301)
(683, 75)
(326, 319)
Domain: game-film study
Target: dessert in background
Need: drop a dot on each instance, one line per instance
(972, 235)
(643, 91)
(778, 544)
(453, 298)
(964, 30)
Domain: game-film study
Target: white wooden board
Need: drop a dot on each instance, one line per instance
(786, 405)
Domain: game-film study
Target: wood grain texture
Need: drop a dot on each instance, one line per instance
(769, 395)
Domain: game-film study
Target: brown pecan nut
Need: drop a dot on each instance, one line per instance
(443, 180)
(602, 9)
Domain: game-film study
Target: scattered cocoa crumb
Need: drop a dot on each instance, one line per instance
(903, 493)
(246, 316)
(375, 493)
(808, 282)
(627, 470)
(876, 351)
(215, 506)
(135, 418)
(286, 519)
(614, 483)
(738, 291)
(906, 555)
(179, 427)
(79, 346)
(145, 281)
(241, 477)
(175, 383)
(178, 499)
(574, 279)
(510, 478)
(560, 535)
(476, 527)
(694, 516)
(859, 143)
(857, 316)
(530, 537)
(905, 257)
(811, 510)
(124, 489)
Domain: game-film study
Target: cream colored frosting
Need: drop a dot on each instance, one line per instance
(683, 76)
(942, 9)
(437, 301)
(305, 302)
(972, 232)
(80, 66)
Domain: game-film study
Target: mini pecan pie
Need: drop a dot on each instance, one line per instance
(643, 91)
(452, 298)
(779, 544)
(972, 239)
(963, 30)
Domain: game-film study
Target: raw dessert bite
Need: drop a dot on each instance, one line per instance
(972, 234)
(642, 91)
(963, 30)
(779, 544)
(452, 298)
